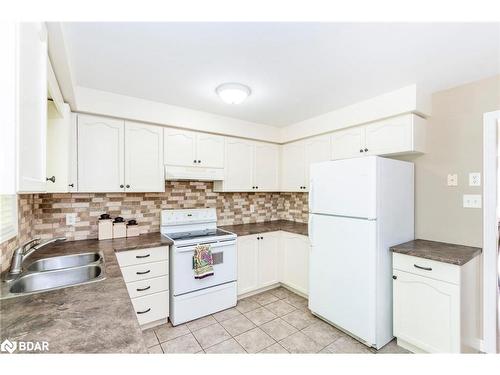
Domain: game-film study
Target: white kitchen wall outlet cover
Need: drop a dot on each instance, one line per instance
(233, 93)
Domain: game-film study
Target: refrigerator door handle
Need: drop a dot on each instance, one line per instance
(310, 229)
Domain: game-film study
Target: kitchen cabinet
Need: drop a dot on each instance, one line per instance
(250, 166)
(435, 305)
(297, 158)
(61, 149)
(398, 135)
(186, 148)
(114, 156)
(266, 259)
(295, 258)
(145, 272)
(31, 106)
(144, 170)
(101, 148)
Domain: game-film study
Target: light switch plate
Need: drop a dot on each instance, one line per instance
(475, 179)
(453, 180)
(472, 200)
(71, 219)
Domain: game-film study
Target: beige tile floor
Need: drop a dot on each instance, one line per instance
(275, 321)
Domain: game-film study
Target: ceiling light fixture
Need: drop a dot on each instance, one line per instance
(233, 93)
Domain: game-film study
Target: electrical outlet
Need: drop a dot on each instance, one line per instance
(71, 219)
(472, 200)
(475, 179)
(453, 180)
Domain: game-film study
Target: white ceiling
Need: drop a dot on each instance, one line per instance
(295, 70)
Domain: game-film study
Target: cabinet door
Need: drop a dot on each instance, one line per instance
(247, 264)
(59, 145)
(143, 158)
(210, 150)
(296, 262)
(426, 312)
(389, 136)
(348, 143)
(293, 167)
(268, 259)
(180, 147)
(31, 107)
(266, 167)
(100, 154)
(239, 165)
(316, 150)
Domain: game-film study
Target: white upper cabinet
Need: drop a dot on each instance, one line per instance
(293, 164)
(250, 166)
(210, 150)
(398, 135)
(144, 171)
(100, 154)
(317, 149)
(186, 148)
(348, 143)
(31, 107)
(180, 147)
(266, 167)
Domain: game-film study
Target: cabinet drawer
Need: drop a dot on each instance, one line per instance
(131, 257)
(426, 267)
(152, 307)
(148, 286)
(145, 271)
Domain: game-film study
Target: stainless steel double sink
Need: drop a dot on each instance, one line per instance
(55, 273)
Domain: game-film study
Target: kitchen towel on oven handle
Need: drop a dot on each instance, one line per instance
(203, 262)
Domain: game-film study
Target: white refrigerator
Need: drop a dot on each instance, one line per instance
(358, 208)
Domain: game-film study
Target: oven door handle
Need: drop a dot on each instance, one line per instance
(213, 246)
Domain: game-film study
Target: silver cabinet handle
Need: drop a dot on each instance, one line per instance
(144, 312)
(422, 268)
(143, 273)
(143, 289)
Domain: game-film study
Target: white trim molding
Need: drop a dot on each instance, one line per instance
(490, 232)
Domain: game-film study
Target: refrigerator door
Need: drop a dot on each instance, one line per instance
(342, 273)
(344, 188)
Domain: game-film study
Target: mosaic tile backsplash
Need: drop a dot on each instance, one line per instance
(44, 215)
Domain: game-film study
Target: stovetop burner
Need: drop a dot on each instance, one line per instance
(181, 236)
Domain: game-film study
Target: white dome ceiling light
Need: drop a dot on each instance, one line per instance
(233, 93)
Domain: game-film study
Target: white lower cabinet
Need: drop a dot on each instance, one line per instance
(145, 272)
(435, 305)
(266, 259)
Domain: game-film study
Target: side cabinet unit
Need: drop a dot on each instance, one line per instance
(435, 305)
(145, 272)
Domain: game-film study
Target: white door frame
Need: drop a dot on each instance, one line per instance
(490, 231)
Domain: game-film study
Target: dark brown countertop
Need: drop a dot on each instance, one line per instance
(92, 318)
(267, 226)
(438, 251)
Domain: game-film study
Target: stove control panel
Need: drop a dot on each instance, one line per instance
(188, 216)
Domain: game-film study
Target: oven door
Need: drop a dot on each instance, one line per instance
(182, 272)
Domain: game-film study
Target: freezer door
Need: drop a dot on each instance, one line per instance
(342, 273)
(344, 187)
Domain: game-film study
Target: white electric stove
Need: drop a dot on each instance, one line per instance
(192, 298)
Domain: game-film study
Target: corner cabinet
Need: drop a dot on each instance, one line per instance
(395, 136)
(119, 156)
(267, 259)
(435, 305)
(250, 166)
(31, 106)
(296, 159)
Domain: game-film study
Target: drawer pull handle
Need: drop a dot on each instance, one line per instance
(144, 312)
(422, 268)
(143, 289)
(142, 256)
(143, 272)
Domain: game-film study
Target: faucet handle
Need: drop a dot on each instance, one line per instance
(28, 245)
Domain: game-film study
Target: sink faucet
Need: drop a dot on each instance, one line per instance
(24, 251)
